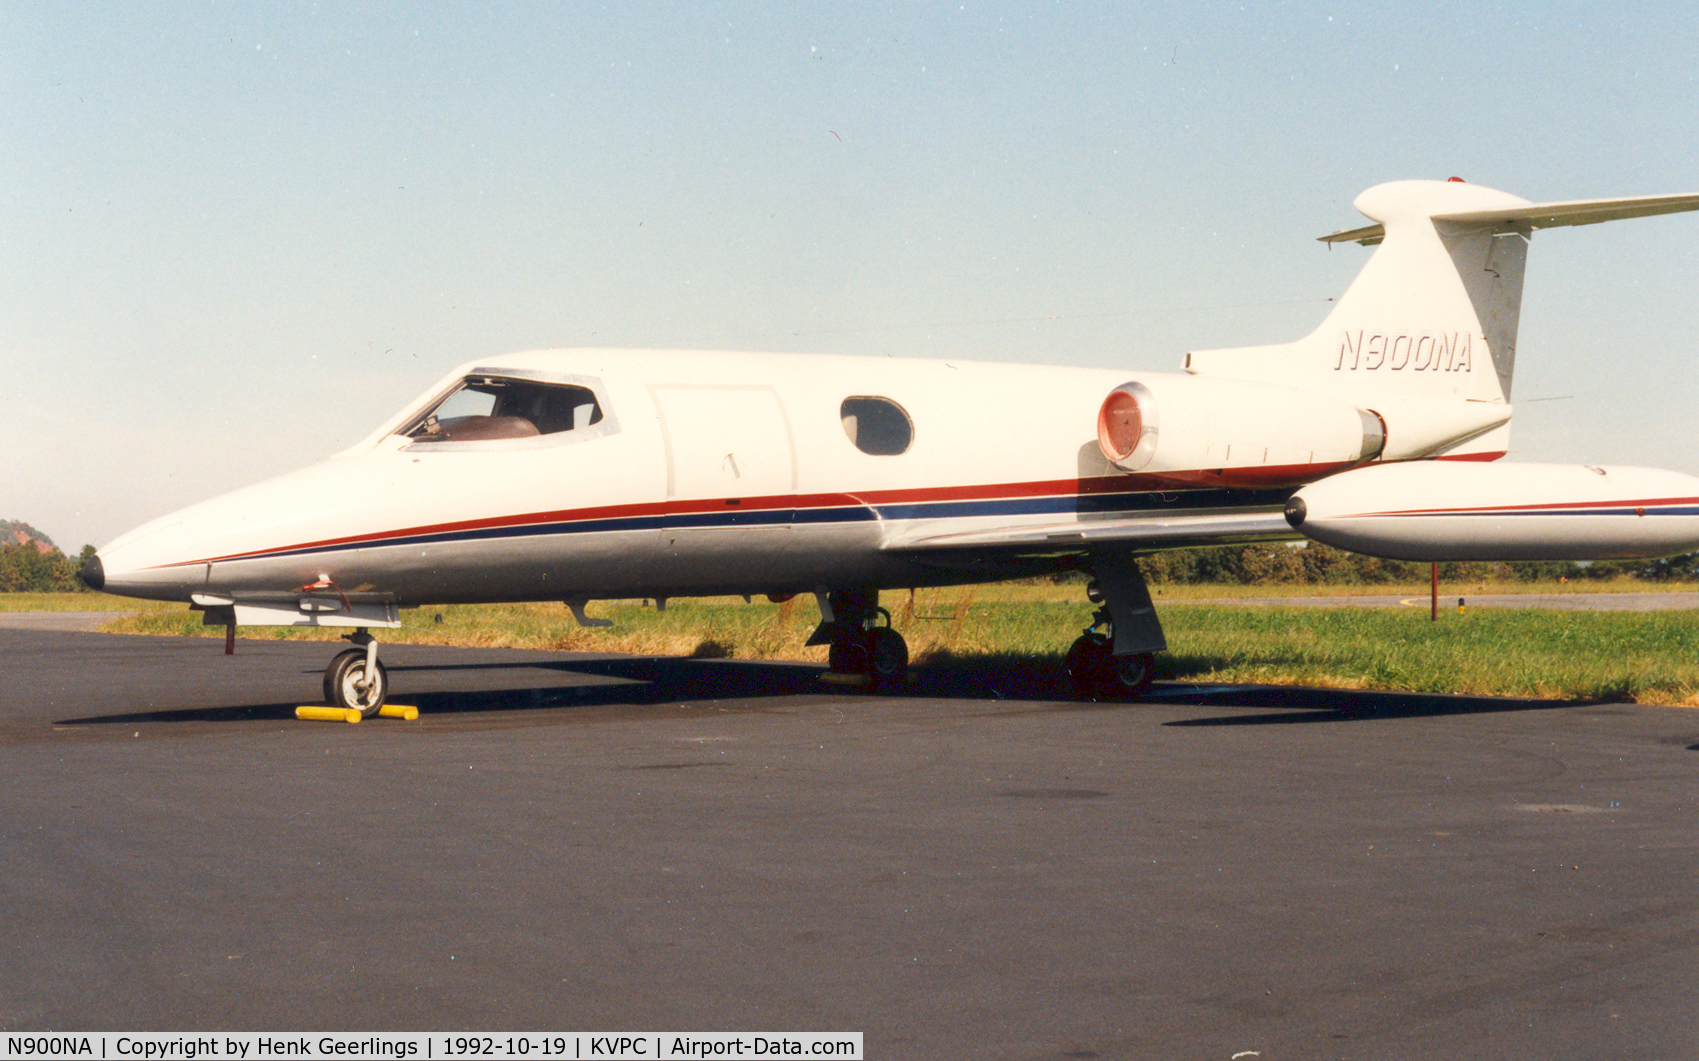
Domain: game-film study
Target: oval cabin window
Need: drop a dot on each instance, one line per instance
(878, 426)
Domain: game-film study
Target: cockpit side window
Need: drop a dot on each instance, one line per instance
(486, 407)
(878, 426)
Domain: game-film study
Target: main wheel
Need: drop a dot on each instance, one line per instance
(847, 655)
(346, 685)
(887, 657)
(1130, 676)
(1088, 665)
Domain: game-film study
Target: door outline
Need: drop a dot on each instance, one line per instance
(667, 440)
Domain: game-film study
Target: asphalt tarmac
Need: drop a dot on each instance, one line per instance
(974, 868)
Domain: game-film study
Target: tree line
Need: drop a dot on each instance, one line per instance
(1315, 564)
(26, 569)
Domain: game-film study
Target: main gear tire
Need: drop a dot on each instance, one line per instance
(1088, 665)
(847, 655)
(1129, 677)
(887, 658)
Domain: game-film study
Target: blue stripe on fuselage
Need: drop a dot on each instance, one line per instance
(734, 517)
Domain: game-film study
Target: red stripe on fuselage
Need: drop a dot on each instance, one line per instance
(991, 491)
(1275, 475)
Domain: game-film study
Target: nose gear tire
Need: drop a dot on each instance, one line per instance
(346, 684)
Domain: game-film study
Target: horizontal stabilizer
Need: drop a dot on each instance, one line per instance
(1529, 216)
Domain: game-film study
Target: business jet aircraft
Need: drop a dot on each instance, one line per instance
(578, 475)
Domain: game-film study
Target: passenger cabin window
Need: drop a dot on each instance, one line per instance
(877, 426)
(486, 407)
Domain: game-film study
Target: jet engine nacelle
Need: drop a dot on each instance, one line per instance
(1448, 510)
(1233, 432)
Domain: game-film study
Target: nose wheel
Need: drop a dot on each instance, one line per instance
(355, 679)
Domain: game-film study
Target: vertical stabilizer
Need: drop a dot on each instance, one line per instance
(1432, 315)
(1425, 336)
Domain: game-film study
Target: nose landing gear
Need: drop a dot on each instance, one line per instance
(355, 678)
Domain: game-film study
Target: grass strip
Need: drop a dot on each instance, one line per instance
(80, 602)
(1649, 657)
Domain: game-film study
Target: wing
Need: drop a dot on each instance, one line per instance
(1152, 533)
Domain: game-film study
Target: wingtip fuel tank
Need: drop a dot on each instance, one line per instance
(1454, 510)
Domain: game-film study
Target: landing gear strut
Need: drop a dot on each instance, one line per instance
(355, 678)
(849, 624)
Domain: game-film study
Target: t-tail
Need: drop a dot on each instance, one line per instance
(1425, 337)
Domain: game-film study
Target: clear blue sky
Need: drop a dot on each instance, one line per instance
(234, 237)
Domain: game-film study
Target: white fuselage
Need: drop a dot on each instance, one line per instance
(595, 474)
(708, 473)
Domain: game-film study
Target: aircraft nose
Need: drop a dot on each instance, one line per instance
(94, 573)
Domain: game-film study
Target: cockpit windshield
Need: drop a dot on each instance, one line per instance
(490, 406)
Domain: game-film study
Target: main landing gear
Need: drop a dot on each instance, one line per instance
(849, 625)
(1092, 670)
(1115, 658)
(355, 678)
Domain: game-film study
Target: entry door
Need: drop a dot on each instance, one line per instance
(728, 442)
(726, 446)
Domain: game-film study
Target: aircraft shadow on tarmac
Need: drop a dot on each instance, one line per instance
(1299, 704)
(607, 682)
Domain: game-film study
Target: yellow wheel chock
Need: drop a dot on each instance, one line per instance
(406, 712)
